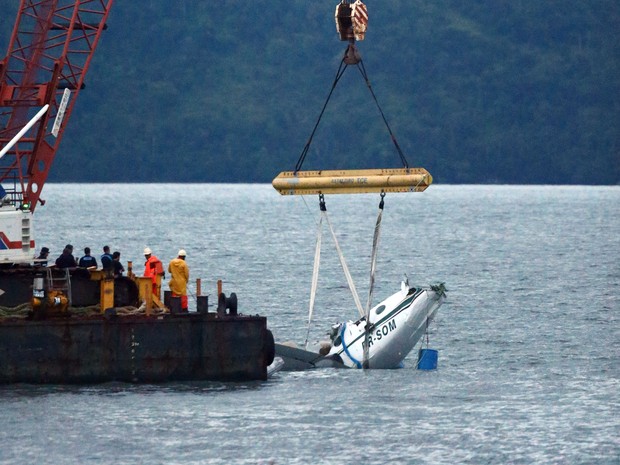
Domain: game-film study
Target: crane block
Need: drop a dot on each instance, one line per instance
(351, 20)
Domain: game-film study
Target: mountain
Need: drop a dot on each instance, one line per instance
(485, 92)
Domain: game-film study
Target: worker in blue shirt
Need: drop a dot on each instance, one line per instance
(106, 259)
(87, 261)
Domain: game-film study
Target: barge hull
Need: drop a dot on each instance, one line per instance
(189, 347)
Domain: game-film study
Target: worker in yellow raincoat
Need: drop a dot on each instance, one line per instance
(179, 272)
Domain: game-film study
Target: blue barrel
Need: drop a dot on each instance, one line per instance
(427, 359)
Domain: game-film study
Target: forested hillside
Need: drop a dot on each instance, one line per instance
(492, 91)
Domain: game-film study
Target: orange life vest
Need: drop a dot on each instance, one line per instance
(153, 268)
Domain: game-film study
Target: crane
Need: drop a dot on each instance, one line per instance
(50, 50)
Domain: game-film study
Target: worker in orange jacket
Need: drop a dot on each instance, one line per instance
(179, 272)
(152, 269)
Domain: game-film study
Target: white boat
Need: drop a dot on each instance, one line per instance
(395, 326)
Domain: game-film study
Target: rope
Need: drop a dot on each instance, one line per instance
(341, 69)
(303, 197)
(362, 71)
(23, 311)
(315, 277)
(20, 311)
(345, 269)
(373, 266)
(304, 152)
(373, 257)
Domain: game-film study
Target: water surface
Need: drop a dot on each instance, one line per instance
(528, 340)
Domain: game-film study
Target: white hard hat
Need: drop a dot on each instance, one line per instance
(182, 253)
(147, 251)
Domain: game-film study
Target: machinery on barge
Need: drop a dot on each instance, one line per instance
(46, 335)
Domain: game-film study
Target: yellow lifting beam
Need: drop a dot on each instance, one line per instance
(352, 181)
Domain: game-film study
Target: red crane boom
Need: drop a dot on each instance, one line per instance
(49, 52)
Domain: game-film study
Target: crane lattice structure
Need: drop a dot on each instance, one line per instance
(49, 52)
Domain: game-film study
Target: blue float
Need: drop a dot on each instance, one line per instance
(427, 359)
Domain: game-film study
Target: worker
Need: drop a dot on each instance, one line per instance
(42, 258)
(66, 259)
(118, 267)
(88, 261)
(106, 259)
(154, 270)
(179, 272)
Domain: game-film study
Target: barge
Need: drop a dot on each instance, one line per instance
(77, 326)
(135, 349)
(83, 326)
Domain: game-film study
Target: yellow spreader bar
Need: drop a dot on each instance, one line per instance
(352, 181)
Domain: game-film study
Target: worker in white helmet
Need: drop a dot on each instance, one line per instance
(179, 272)
(153, 269)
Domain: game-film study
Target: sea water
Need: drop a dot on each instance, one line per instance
(528, 340)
